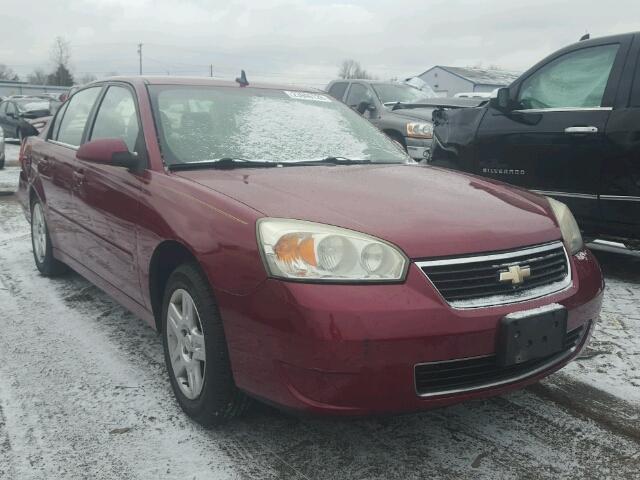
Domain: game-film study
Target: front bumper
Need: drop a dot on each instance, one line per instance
(418, 149)
(352, 349)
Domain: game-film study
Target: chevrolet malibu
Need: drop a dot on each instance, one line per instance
(290, 252)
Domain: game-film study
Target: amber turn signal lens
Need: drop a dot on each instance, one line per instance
(293, 247)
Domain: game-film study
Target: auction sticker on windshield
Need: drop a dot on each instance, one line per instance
(314, 97)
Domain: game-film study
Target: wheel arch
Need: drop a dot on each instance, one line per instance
(166, 257)
(396, 135)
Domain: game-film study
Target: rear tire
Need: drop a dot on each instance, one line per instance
(41, 243)
(195, 350)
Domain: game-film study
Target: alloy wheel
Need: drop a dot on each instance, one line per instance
(39, 232)
(185, 340)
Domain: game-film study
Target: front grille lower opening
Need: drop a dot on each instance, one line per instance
(474, 373)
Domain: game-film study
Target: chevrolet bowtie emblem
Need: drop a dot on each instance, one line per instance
(516, 274)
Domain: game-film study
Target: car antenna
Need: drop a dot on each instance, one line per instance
(242, 79)
(586, 36)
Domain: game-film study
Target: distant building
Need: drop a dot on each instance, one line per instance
(447, 81)
(10, 87)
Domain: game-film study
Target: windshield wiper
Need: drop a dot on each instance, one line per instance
(332, 161)
(223, 163)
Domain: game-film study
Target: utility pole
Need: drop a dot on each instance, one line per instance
(211, 69)
(140, 56)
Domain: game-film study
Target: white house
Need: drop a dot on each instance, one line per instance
(447, 81)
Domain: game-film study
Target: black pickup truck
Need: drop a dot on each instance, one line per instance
(569, 127)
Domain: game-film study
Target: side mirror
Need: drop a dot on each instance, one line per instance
(365, 106)
(108, 151)
(502, 100)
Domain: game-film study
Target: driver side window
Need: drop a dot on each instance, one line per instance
(358, 93)
(575, 80)
(117, 118)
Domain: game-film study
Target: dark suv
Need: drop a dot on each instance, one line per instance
(397, 109)
(569, 127)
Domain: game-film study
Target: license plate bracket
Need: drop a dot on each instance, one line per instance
(533, 334)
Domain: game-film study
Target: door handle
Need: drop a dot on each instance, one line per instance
(78, 177)
(581, 130)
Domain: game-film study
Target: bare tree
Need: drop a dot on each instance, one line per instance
(351, 69)
(60, 57)
(7, 73)
(37, 77)
(60, 54)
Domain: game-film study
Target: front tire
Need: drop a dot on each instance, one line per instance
(195, 350)
(41, 243)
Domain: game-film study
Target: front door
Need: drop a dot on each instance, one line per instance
(554, 139)
(620, 179)
(111, 195)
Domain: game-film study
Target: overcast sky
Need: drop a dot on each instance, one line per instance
(300, 41)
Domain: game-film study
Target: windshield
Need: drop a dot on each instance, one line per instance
(394, 93)
(199, 123)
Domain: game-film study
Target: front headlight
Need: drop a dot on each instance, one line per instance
(419, 130)
(568, 226)
(299, 250)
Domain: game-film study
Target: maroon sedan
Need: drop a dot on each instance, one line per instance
(290, 252)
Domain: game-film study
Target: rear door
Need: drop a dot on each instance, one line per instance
(554, 140)
(111, 195)
(620, 179)
(56, 162)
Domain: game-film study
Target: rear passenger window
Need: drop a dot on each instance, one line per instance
(337, 90)
(575, 80)
(117, 117)
(75, 116)
(55, 126)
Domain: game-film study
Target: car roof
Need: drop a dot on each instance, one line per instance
(200, 81)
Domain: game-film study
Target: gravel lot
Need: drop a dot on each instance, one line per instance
(84, 394)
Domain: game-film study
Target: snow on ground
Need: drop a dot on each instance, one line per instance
(612, 361)
(84, 394)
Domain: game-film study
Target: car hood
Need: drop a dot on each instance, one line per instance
(414, 113)
(426, 211)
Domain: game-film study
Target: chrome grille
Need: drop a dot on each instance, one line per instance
(474, 281)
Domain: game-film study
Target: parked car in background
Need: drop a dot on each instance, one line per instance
(395, 108)
(2, 154)
(326, 273)
(473, 95)
(40, 123)
(569, 128)
(15, 111)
